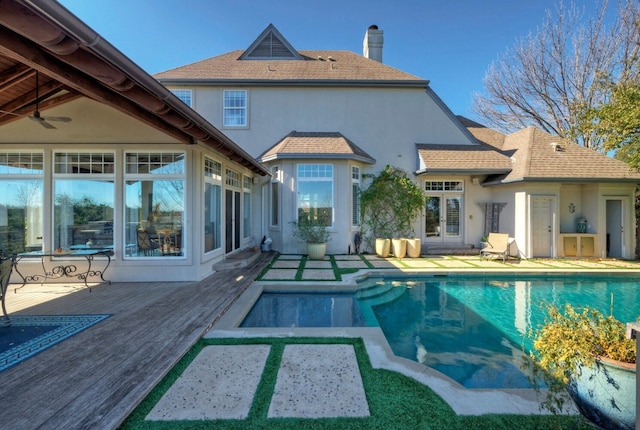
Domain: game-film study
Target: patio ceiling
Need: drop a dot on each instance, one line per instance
(49, 57)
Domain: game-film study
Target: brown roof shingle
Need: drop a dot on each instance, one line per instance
(299, 144)
(315, 66)
(478, 159)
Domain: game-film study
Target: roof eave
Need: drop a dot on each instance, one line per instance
(295, 82)
(471, 171)
(299, 156)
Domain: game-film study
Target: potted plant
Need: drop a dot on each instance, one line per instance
(389, 207)
(315, 234)
(589, 356)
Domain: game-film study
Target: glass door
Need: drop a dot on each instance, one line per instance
(443, 216)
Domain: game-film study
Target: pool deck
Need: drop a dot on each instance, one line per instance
(101, 374)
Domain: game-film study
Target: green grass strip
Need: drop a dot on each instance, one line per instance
(395, 401)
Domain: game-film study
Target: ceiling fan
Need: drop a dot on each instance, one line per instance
(36, 116)
(43, 120)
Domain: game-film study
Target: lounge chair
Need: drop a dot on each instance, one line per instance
(497, 246)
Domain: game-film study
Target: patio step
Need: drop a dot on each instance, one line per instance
(238, 260)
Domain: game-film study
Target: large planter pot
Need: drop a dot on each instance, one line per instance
(399, 247)
(383, 247)
(414, 247)
(605, 393)
(316, 251)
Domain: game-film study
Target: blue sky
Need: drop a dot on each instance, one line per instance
(450, 43)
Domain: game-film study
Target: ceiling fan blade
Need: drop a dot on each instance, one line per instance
(37, 118)
(57, 118)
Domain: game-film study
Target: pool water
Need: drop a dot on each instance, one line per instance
(474, 330)
(274, 309)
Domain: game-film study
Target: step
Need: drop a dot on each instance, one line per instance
(238, 260)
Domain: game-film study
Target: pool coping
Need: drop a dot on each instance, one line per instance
(464, 401)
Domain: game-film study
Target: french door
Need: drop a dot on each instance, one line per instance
(443, 218)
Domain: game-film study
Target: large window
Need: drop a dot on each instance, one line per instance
(154, 201)
(21, 197)
(315, 193)
(212, 204)
(83, 200)
(235, 108)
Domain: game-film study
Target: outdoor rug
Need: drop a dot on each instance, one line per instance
(31, 334)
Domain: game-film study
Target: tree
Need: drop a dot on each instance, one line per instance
(617, 121)
(390, 205)
(551, 77)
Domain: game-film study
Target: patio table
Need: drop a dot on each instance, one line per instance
(54, 268)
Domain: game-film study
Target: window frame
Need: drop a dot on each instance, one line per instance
(316, 172)
(356, 177)
(244, 109)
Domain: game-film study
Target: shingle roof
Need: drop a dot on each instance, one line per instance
(318, 66)
(479, 159)
(316, 145)
(535, 158)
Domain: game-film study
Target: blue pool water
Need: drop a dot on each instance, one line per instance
(472, 329)
(275, 309)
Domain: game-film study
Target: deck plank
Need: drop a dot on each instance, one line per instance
(95, 378)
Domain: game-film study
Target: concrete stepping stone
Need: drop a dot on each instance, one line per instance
(318, 381)
(220, 383)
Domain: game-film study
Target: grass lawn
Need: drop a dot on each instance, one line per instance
(395, 401)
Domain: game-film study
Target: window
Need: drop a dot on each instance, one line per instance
(275, 196)
(184, 95)
(235, 108)
(247, 185)
(212, 205)
(154, 203)
(355, 196)
(444, 186)
(315, 193)
(233, 178)
(83, 200)
(21, 197)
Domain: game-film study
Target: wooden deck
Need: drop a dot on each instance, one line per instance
(94, 379)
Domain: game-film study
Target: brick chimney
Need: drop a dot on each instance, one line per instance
(372, 44)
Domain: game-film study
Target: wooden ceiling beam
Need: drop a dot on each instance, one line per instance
(15, 75)
(29, 53)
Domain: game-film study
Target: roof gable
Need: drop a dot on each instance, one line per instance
(270, 45)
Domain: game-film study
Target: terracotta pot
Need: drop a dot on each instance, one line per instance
(414, 247)
(399, 247)
(383, 247)
(605, 393)
(316, 251)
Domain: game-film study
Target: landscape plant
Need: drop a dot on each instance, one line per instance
(571, 341)
(390, 205)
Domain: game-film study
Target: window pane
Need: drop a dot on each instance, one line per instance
(20, 216)
(212, 216)
(160, 163)
(154, 218)
(355, 208)
(315, 202)
(275, 220)
(184, 95)
(235, 108)
(21, 163)
(83, 214)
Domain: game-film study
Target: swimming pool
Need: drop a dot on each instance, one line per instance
(474, 329)
(470, 328)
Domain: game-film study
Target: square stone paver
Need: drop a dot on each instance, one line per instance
(383, 264)
(351, 264)
(318, 381)
(279, 275)
(347, 257)
(220, 383)
(319, 274)
(286, 264)
(317, 264)
(290, 257)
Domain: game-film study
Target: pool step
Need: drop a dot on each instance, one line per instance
(390, 294)
(374, 290)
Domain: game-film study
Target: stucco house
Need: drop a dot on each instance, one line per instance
(322, 120)
(96, 154)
